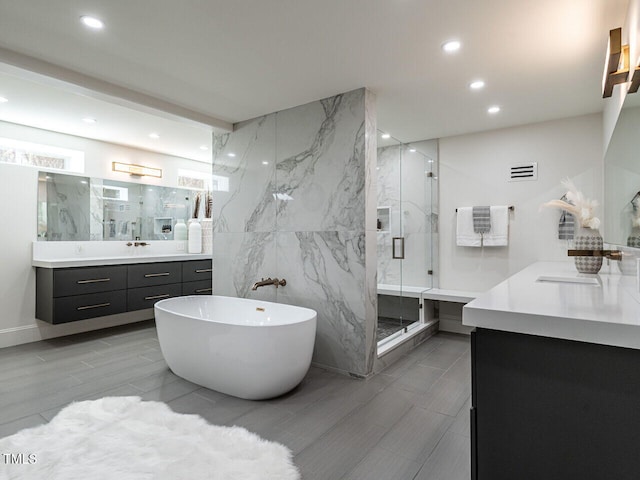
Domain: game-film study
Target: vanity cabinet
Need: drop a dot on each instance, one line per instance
(196, 277)
(549, 408)
(78, 293)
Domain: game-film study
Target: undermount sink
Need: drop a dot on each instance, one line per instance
(579, 279)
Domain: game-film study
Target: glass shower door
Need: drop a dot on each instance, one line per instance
(406, 231)
(390, 238)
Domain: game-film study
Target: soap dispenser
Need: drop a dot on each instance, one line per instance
(180, 230)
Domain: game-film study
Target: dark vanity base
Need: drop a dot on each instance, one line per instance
(544, 408)
(70, 294)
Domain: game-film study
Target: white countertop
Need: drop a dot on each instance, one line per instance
(97, 261)
(96, 253)
(606, 313)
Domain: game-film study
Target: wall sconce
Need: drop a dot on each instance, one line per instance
(138, 170)
(635, 81)
(616, 68)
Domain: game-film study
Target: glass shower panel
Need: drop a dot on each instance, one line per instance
(406, 228)
(390, 238)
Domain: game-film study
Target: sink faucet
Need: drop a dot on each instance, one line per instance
(269, 281)
(610, 254)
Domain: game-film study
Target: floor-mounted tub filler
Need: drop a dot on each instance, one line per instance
(246, 348)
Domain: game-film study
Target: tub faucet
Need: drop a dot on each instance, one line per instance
(269, 281)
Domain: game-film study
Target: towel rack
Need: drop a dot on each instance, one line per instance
(511, 207)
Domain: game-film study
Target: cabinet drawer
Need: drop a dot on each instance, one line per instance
(203, 287)
(80, 281)
(146, 297)
(79, 307)
(148, 274)
(195, 270)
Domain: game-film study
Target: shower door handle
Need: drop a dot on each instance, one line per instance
(397, 244)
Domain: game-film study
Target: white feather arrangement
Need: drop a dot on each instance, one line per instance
(578, 205)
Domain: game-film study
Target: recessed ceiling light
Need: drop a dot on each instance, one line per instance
(412, 150)
(3, 100)
(385, 136)
(476, 85)
(154, 135)
(493, 110)
(451, 46)
(265, 162)
(92, 22)
(430, 160)
(89, 120)
(231, 154)
(204, 147)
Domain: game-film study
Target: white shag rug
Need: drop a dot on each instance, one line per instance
(124, 438)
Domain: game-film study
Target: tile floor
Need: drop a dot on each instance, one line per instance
(409, 422)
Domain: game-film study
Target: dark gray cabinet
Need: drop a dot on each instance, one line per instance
(70, 294)
(547, 408)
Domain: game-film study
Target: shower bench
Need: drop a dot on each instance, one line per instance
(449, 301)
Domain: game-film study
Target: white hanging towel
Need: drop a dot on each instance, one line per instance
(498, 236)
(465, 235)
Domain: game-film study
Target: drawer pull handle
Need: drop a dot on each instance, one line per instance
(95, 280)
(200, 290)
(157, 297)
(205, 270)
(149, 275)
(99, 305)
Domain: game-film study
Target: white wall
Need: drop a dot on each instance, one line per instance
(18, 199)
(474, 170)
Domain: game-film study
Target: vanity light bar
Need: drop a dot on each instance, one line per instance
(138, 170)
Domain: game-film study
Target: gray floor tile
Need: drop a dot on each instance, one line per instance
(384, 465)
(336, 426)
(338, 451)
(462, 424)
(449, 461)
(416, 434)
(10, 428)
(446, 396)
(419, 378)
(170, 391)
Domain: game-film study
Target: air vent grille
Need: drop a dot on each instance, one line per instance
(522, 173)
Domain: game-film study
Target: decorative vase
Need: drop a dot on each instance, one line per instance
(588, 239)
(207, 235)
(633, 240)
(194, 243)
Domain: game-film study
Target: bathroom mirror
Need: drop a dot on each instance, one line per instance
(72, 207)
(622, 178)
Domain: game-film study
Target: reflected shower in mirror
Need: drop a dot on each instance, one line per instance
(78, 208)
(622, 178)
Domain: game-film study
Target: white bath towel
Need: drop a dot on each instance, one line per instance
(465, 235)
(498, 236)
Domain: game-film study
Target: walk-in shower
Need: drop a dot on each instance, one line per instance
(407, 235)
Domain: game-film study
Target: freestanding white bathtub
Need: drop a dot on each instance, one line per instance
(245, 348)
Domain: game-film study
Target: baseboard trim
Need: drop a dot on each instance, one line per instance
(39, 330)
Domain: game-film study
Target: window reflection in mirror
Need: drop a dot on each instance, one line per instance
(81, 208)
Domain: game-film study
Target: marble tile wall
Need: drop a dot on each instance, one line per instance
(292, 203)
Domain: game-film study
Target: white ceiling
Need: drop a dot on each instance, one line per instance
(235, 60)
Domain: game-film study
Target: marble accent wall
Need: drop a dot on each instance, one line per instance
(292, 202)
